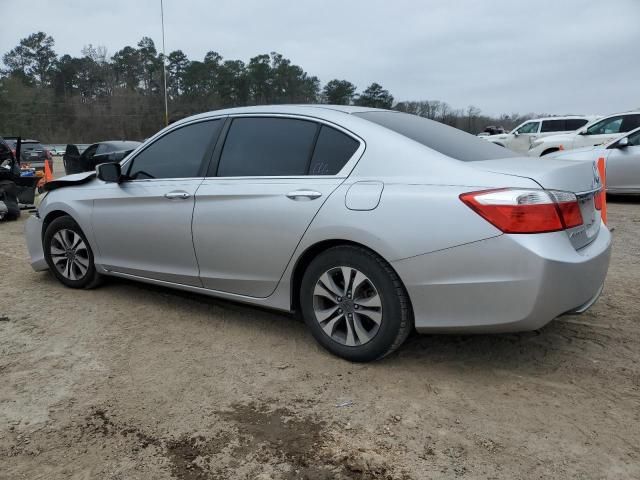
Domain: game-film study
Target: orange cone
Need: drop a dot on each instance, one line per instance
(603, 194)
(48, 174)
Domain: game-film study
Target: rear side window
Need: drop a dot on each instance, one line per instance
(575, 123)
(260, 146)
(552, 126)
(630, 122)
(333, 150)
(178, 154)
(442, 138)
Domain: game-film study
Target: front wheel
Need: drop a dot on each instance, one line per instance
(69, 255)
(355, 304)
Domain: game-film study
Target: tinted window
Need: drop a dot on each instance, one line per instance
(634, 139)
(178, 154)
(444, 139)
(332, 151)
(90, 152)
(575, 123)
(630, 122)
(552, 126)
(32, 146)
(267, 147)
(608, 125)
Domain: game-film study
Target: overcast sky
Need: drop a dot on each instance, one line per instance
(558, 56)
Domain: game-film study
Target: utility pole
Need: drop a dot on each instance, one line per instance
(164, 68)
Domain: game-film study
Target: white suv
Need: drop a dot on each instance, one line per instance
(596, 133)
(521, 138)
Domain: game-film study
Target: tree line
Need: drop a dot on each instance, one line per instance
(60, 99)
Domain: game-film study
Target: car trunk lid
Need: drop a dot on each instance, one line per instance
(580, 178)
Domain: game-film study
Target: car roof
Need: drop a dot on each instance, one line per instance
(314, 110)
(564, 117)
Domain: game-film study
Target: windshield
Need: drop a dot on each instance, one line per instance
(442, 138)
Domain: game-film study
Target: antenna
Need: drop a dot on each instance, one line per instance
(164, 68)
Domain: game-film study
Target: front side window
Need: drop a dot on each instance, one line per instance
(634, 139)
(178, 154)
(630, 122)
(90, 152)
(606, 126)
(529, 127)
(267, 146)
(333, 150)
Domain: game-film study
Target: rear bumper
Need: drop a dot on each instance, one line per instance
(33, 235)
(506, 283)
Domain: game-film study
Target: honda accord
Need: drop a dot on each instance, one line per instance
(371, 223)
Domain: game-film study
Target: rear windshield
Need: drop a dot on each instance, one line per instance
(442, 138)
(32, 146)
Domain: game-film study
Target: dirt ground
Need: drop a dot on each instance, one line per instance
(130, 381)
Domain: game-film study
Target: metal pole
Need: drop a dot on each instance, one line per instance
(164, 68)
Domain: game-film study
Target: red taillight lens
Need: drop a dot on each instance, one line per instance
(526, 211)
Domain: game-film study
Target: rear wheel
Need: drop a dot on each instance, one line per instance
(69, 255)
(355, 304)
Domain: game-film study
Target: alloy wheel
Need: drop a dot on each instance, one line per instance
(69, 254)
(347, 306)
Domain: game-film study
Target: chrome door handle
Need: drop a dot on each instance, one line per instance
(303, 195)
(177, 195)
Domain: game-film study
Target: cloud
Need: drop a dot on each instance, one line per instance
(570, 56)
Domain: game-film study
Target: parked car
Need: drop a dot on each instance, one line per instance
(596, 133)
(58, 150)
(111, 151)
(622, 160)
(521, 138)
(33, 152)
(370, 222)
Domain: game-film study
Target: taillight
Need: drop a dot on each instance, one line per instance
(526, 211)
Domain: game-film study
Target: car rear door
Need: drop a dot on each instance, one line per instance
(263, 189)
(143, 225)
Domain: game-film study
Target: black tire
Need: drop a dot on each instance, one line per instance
(547, 152)
(397, 317)
(91, 278)
(9, 195)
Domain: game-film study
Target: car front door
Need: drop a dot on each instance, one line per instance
(623, 165)
(523, 137)
(262, 191)
(606, 130)
(143, 224)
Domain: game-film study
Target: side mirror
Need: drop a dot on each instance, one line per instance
(623, 142)
(516, 133)
(582, 132)
(109, 172)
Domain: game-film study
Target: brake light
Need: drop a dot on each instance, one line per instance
(526, 211)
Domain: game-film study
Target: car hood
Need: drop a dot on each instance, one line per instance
(499, 136)
(70, 180)
(584, 153)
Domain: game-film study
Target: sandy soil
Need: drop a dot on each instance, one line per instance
(134, 382)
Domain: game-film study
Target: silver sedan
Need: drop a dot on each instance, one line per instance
(371, 223)
(622, 160)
